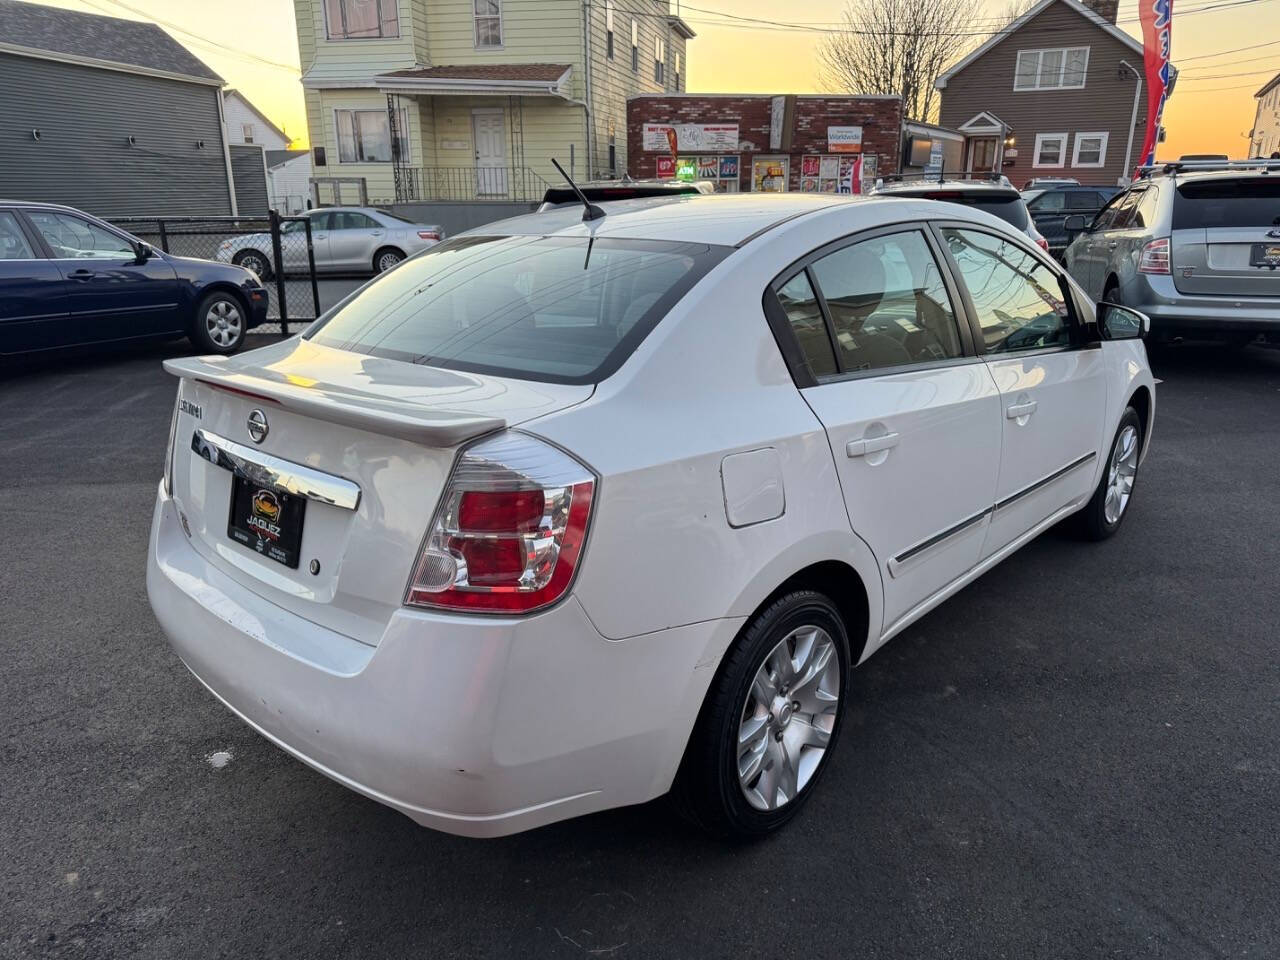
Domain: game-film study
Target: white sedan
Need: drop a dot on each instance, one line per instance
(343, 239)
(564, 514)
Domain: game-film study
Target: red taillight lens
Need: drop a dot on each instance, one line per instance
(509, 532)
(429, 235)
(1155, 257)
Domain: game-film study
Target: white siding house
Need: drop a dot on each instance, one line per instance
(247, 124)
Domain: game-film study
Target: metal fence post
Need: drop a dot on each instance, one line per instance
(164, 236)
(311, 262)
(274, 219)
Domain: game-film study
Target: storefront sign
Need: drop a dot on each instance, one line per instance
(666, 168)
(844, 139)
(687, 169)
(708, 168)
(728, 168)
(691, 136)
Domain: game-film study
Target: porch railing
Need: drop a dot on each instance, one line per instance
(469, 183)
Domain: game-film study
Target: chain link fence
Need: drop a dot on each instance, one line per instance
(278, 249)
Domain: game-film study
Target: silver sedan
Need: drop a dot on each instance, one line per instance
(345, 239)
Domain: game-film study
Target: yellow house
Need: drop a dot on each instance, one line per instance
(471, 99)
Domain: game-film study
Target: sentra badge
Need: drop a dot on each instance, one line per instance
(192, 409)
(266, 514)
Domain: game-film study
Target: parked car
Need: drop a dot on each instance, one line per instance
(1050, 206)
(995, 195)
(566, 515)
(1196, 246)
(599, 191)
(69, 279)
(344, 239)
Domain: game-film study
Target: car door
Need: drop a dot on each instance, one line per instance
(1102, 242)
(911, 413)
(1052, 383)
(1048, 212)
(33, 314)
(352, 240)
(321, 230)
(110, 293)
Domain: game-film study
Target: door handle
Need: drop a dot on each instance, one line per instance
(1111, 244)
(1016, 410)
(81, 274)
(861, 448)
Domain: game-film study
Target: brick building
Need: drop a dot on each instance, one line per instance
(747, 142)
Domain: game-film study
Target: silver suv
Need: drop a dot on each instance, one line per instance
(1194, 245)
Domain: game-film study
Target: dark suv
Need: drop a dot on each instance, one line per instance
(1051, 205)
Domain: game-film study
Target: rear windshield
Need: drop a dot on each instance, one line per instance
(391, 216)
(1008, 207)
(565, 310)
(560, 196)
(1237, 202)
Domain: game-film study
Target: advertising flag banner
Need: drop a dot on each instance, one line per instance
(1157, 24)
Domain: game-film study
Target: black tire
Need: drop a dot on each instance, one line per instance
(226, 337)
(1092, 522)
(707, 789)
(256, 261)
(386, 258)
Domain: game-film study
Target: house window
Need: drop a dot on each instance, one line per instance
(659, 59)
(677, 76)
(635, 47)
(488, 14)
(613, 155)
(364, 136)
(1058, 69)
(246, 132)
(1090, 150)
(361, 19)
(1051, 149)
(608, 28)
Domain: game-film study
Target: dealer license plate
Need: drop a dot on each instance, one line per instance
(266, 519)
(1265, 255)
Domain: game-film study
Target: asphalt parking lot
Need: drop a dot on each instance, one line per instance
(1078, 756)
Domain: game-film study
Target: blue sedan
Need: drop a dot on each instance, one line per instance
(68, 279)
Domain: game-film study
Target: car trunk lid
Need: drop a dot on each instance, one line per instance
(358, 448)
(1226, 237)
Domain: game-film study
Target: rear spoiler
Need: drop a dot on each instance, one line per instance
(429, 426)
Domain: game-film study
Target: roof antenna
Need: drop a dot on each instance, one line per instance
(592, 212)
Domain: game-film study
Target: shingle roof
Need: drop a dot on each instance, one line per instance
(1266, 87)
(126, 42)
(277, 157)
(536, 72)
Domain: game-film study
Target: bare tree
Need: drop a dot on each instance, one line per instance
(898, 46)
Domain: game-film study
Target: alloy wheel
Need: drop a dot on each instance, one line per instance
(387, 261)
(788, 718)
(223, 321)
(1120, 475)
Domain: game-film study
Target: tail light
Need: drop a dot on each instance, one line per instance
(429, 235)
(1155, 257)
(509, 531)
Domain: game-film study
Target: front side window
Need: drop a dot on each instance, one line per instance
(488, 14)
(1057, 69)
(361, 19)
(13, 242)
(1051, 201)
(1091, 150)
(887, 303)
(1017, 299)
(74, 239)
(364, 136)
(1051, 149)
(567, 310)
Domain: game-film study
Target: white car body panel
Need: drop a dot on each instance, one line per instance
(465, 722)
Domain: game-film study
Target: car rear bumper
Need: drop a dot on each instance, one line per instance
(471, 725)
(1171, 311)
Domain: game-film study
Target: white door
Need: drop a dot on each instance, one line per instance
(912, 414)
(489, 128)
(1053, 392)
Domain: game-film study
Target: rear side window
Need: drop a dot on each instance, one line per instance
(800, 304)
(1116, 215)
(564, 310)
(887, 303)
(1048, 202)
(1236, 202)
(1144, 212)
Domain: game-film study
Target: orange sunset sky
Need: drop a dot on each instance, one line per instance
(1224, 54)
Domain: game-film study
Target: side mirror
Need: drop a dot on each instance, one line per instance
(1122, 323)
(143, 251)
(1075, 223)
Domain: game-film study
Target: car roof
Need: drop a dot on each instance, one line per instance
(721, 219)
(921, 187)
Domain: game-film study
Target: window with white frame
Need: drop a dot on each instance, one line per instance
(635, 47)
(677, 76)
(361, 19)
(1051, 150)
(608, 28)
(246, 132)
(364, 136)
(659, 59)
(488, 15)
(1090, 149)
(1063, 68)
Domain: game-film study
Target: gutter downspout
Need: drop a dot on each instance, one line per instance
(586, 59)
(1133, 118)
(226, 154)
